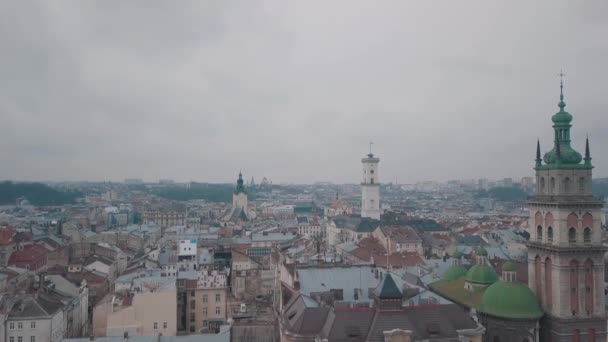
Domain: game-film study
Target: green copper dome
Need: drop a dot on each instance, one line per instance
(508, 266)
(562, 153)
(480, 251)
(454, 272)
(510, 300)
(481, 274)
(567, 155)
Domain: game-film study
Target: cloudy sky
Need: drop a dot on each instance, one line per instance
(294, 90)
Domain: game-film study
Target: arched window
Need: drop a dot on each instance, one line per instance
(552, 185)
(587, 235)
(538, 278)
(572, 235)
(372, 181)
(539, 233)
(574, 287)
(548, 282)
(538, 218)
(567, 185)
(589, 287)
(542, 185)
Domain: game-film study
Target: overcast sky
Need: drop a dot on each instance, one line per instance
(294, 90)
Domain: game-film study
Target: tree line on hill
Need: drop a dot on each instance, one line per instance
(36, 193)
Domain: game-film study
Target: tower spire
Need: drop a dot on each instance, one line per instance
(538, 160)
(587, 152)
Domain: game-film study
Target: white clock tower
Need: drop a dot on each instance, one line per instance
(370, 187)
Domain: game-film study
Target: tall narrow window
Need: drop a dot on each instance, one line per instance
(587, 235)
(550, 234)
(538, 278)
(548, 283)
(572, 235)
(574, 287)
(567, 185)
(552, 185)
(542, 185)
(589, 287)
(539, 233)
(581, 184)
(591, 335)
(576, 335)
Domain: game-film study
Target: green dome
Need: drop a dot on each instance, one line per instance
(481, 251)
(567, 153)
(510, 300)
(508, 267)
(481, 274)
(561, 117)
(454, 272)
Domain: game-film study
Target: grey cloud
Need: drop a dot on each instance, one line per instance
(293, 90)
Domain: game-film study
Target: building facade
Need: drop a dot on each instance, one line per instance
(202, 302)
(565, 251)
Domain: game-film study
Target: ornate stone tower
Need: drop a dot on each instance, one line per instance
(239, 197)
(370, 187)
(565, 251)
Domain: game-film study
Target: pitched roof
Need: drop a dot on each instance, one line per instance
(351, 325)
(387, 289)
(433, 321)
(303, 319)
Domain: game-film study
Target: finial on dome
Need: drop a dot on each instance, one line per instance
(561, 104)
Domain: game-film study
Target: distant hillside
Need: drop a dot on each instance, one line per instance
(204, 191)
(36, 193)
(207, 192)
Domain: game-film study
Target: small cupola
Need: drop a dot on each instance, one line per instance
(508, 272)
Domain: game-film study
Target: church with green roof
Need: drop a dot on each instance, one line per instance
(564, 299)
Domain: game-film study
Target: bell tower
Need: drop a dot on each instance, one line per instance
(370, 187)
(239, 197)
(565, 251)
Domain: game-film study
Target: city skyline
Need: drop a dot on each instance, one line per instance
(290, 92)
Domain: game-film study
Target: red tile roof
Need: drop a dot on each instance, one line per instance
(31, 257)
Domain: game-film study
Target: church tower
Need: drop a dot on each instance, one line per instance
(565, 251)
(239, 197)
(370, 187)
